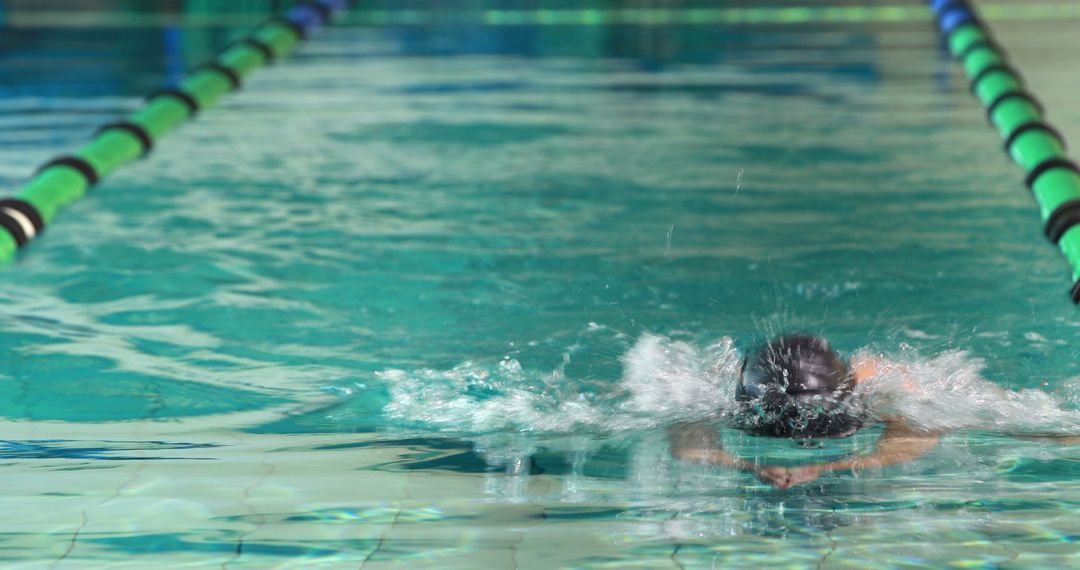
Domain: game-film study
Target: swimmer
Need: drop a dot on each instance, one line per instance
(797, 386)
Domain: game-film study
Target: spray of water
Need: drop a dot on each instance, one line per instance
(665, 381)
(948, 392)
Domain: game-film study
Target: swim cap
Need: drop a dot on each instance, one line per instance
(796, 386)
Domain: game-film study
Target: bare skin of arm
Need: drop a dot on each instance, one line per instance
(699, 443)
(899, 443)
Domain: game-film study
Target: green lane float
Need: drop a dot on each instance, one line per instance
(1017, 115)
(1019, 118)
(67, 178)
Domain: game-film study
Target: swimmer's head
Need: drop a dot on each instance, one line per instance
(796, 386)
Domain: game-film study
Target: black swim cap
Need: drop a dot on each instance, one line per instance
(796, 386)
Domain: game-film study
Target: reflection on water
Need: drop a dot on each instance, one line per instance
(430, 296)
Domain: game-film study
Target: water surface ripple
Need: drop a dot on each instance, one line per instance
(428, 297)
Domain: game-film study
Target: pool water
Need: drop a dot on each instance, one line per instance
(428, 296)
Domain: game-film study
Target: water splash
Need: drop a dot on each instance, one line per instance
(476, 398)
(676, 380)
(665, 381)
(948, 392)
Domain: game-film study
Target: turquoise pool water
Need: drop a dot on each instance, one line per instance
(428, 295)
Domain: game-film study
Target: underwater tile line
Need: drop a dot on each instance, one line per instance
(260, 518)
(76, 534)
(1031, 142)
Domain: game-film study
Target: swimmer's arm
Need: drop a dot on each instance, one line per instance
(699, 443)
(900, 443)
(864, 368)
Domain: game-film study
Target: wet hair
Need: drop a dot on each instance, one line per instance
(796, 386)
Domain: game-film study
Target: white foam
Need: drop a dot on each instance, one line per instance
(678, 380)
(666, 381)
(663, 381)
(476, 398)
(948, 392)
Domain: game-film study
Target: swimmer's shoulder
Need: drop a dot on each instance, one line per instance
(865, 366)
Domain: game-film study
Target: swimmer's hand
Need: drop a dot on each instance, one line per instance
(899, 443)
(787, 477)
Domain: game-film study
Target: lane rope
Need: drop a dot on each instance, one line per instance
(60, 181)
(1031, 142)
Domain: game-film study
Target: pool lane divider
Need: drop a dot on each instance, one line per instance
(1031, 142)
(64, 179)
